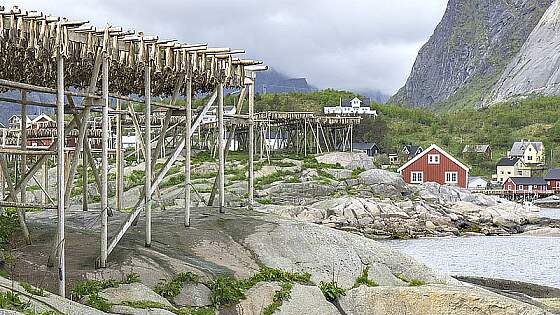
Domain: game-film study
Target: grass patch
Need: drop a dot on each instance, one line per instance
(11, 301)
(203, 175)
(293, 180)
(227, 291)
(173, 181)
(331, 290)
(325, 174)
(135, 178)
(89, 287)
(264, 201)
(274, 177)
(189, 310)
(278, 299)
(472, 228)
(311, 162)
(411, 282)
(364, 279)
(32, 290)
(98, 302)
(356, 172)
(171, 289)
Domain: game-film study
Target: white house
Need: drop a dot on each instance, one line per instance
(477, 183)
(212, 114)
(355, 106)
(31, 121)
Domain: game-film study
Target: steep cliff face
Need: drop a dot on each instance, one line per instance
(468, 51)
(536, 69)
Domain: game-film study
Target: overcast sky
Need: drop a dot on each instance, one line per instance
(343, 44)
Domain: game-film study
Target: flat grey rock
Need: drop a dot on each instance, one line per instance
(194, 294)
(132, 292)
(307, 300)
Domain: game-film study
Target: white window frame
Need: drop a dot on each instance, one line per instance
(417, 181)
(520, 187)
(434, 158)
(449, 177)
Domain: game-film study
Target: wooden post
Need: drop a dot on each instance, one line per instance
(60, 173)
(251, 170)
(104, 159)
(23, 164)
(148, 152)
(45, 181)
(84, 177)
(119, 159)
(188, 141)
(221, 157)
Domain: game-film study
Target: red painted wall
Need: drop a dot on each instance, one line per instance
(553, 184)
(435, 172)
(509, 185)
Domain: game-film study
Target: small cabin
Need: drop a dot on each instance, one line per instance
(435, 165)
(552, 179)
(525, 184)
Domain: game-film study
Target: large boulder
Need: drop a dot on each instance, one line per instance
(194, 294)
(348, 160)
(383, 182)
(431, 299)
(256, 299)
(303, 247)
(307, 300)
(132, 292)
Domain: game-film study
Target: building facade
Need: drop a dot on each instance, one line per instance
(435, 165)
(355, 106)
(525, 184)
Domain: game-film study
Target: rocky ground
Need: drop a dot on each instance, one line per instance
(292, 255)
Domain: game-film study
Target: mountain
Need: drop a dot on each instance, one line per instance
(375, 95)
(536, 69)
(272, 81)
(468, 52)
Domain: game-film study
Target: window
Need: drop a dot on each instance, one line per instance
(520, 187)
(416, 177)
(529, 158)
(433, 158)
(451, 178)
(509, 173)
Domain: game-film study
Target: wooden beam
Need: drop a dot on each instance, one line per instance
(104, 160)
(60, 175)
(148, 153)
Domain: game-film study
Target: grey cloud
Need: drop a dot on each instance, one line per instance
(358, 44)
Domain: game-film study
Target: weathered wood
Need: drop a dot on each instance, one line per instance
(148, 154)
(188, 142)
(251, 141)
(104, 160)
(119, 178)
(221, 149)
(60, 174)
(12, 196)
(41, 89)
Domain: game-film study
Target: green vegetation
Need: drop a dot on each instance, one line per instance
(278, 299)
(32, 290)
(311, 162)
(411, 282)
(227, 291)
(356, 172)
(180, 311)
(274, 177)
(364, 279)
(331, 290)
(264, 200)
(11, 301)
(171, 289)
(135, 178)
(89, 287)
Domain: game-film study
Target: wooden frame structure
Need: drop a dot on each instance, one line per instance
(97, 67)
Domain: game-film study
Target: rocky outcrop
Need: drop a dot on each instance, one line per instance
(468, 51)
(535, 70)
(431, 210)
(132, 292)
(348, 160)
(433, 299)
(307, 300)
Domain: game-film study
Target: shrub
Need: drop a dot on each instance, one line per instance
(364, 279)
(172, 288)
(331, 290)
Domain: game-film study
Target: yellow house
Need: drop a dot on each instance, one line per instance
(529, 152)
(511, 167)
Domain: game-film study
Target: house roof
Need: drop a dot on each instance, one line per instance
(347, 102)
(476, 148)
(528, 180)
(364, 145)
(552, 174)
(507, 161)
(518, 148)
(412, 149)
(476, 178)
(440, 150)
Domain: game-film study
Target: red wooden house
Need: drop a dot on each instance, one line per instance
(525, 184)
(435, 165)
(552, 179)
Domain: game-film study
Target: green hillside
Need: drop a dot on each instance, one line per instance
(536, 118)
